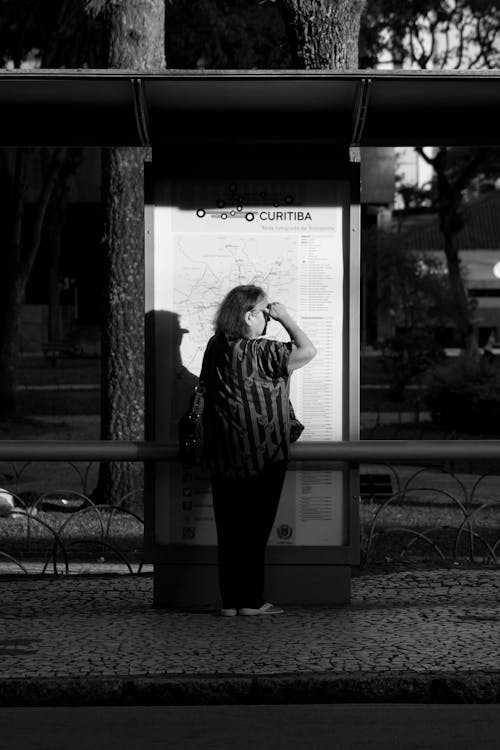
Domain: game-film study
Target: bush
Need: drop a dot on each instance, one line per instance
(464, 395)
(407, 355)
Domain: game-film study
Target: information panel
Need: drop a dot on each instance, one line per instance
(287, 237)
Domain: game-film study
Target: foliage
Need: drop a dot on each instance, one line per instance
(413, 289)
(464, 395)
(408, 354)
(443, 35)
(241, 34)
(50, 33)
(469, 172)
(439, 34)
(455, 170)
(419, 291)
(412, 286)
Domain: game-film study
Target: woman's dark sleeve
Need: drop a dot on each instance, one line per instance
(272, 358)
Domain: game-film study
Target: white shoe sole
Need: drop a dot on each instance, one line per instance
(266, 609)
(228, 613)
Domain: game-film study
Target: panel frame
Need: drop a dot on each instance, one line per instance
(339, 165)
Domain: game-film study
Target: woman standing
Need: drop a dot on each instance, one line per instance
(247, 425)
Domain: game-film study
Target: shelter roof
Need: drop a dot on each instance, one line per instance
(361, 107)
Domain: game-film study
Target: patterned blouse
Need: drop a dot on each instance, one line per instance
(246, 415)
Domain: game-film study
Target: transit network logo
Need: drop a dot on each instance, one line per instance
(238, 204)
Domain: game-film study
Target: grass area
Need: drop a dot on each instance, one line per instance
(40, 476)
(81, 533)
(437, 487)
(378, 400)
(399, 429)
(39, 371)
(434, 503)
(64, 427)
(30, 480)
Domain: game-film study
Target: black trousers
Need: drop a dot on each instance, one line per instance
(245, 510)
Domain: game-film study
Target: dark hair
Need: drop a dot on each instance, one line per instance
(230, 317)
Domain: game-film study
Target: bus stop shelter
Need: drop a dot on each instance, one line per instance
(304, 128)
(324, 109)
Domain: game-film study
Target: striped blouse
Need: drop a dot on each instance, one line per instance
(246, 416)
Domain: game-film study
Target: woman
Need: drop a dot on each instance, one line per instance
(246, 422)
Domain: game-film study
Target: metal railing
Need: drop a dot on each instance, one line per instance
(351, 451)
(408, 462)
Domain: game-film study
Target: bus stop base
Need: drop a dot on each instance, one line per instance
(196, 585)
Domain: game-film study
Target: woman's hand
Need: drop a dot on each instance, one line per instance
(304, 350)
(278, 311)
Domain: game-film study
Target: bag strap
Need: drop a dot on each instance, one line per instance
(207, 364)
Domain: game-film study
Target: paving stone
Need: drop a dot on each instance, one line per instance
(425, 622)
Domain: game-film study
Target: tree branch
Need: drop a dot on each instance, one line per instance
(53, 174)
(423, 58)
(447, 50)
(429, 159)
(5, 176)
(467, 173)
(20, 186)
(433, 28)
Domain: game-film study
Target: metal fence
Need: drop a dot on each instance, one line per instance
(413, 506)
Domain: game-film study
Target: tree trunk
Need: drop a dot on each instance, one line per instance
(11, 288)
(323, 34)
(11, 305)
(451, 222)
(54, 234)
(122, 395)
(463, 312)
(135, 31)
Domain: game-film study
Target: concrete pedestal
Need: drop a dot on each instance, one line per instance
(186, 585)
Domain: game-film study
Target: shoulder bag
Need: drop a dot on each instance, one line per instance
(191, 446)
(191, 438)
(296, 426)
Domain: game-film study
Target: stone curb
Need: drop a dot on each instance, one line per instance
(425, 688)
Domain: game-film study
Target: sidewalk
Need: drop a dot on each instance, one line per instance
(423, 636)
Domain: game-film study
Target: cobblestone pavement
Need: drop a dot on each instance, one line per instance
(89, 633)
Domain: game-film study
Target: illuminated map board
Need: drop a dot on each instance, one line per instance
(287, 237)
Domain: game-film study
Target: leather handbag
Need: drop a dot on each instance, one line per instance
(191, 445)
(296, 426)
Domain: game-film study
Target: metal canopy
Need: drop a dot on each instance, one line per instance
(339, 109)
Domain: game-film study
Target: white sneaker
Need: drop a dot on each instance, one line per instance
(228, 612)
(266, 609)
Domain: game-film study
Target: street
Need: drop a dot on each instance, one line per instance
(291, 727)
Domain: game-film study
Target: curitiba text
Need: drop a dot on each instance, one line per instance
(285, 216)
